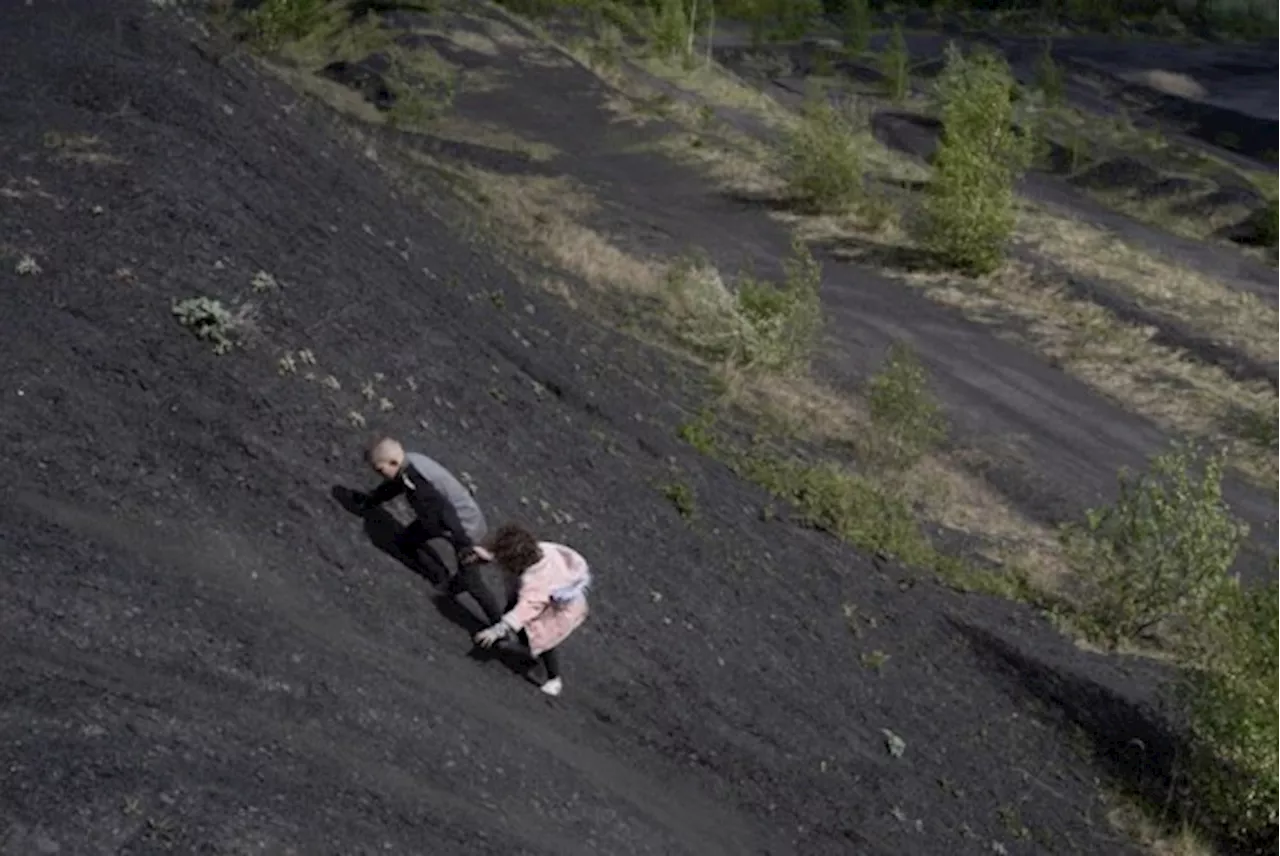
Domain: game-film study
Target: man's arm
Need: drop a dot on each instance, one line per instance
(385, 492)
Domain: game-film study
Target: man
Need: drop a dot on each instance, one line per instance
(443, 508)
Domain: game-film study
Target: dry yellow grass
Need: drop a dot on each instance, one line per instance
(1157, 840)
(1201, 302)
(1166, 212)
(1119, 360)
(461, 129)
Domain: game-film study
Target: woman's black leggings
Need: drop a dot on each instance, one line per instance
(550, 659)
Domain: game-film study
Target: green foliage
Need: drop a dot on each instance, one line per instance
(1261, 427)
(277, 21)
(699, 432)
(425, 86)
(969, 207)
(670, 30)
(1160, 554)
(895, 65)
(208, 320)
(772, 19)
(1103, 15)
(906, 420)
(822, 163)
(1231, 695)
(682, 497)
(855, 26)
(759, 325)
(849, 506)
(1049, 77)
(795, 17)
(1269, 221)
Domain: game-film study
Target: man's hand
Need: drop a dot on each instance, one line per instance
(468, 556)
(489, 636)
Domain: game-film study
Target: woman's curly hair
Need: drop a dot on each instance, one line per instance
(515, 548)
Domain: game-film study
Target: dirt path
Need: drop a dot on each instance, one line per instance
(203, 652)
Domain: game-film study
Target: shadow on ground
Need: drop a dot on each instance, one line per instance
(1141, 749)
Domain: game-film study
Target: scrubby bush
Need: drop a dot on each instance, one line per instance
(855, 26)
(1049, 77)
(208, 320)
(906, 420)
(850, 507)
(671, 29)
(1159, 555)
(969, 206)
(822, 163)
(276, 21)
(895, 65)
(1230, 692)
(758, 325)
(1158, 559)
(1269, 224)
(794, 17)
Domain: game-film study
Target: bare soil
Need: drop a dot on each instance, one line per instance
(204, 653)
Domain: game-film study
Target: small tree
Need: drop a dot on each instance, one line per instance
(1231, 693)
(274, 22)
(1049, 77)
(969, 211)
(906, 421)
(785, 320)
(895, 64)
(1161, 553)
(794, 17)
(822, 163)
(855, 22)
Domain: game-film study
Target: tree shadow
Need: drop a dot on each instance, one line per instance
(889, 257)
(769, 201)
(1141, 749)
(381, 528)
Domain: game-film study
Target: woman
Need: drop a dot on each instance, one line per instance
(551, 601)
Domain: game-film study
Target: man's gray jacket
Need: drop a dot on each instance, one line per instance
(426, 485)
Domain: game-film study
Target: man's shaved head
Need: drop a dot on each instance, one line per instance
(386, 456)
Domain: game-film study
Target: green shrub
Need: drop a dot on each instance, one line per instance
(670, 32)
(208, 320)
(906, 420)
(1160, 555)
(1269, 221)
(786, 319)
(855, 25)
(895, 64)
(1049, 77)
(1231, 693)
(795, 17)
(682, 497)
(969, 206)
(277, 21)
(758, 325)
(822, 163)
(851, 507)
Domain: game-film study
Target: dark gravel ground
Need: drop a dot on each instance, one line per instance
(203, 653)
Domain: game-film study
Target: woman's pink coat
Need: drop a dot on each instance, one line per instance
(548, 623)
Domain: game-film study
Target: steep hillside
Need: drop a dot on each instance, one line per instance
(204, 653)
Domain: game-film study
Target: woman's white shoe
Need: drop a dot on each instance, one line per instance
(552, 687)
